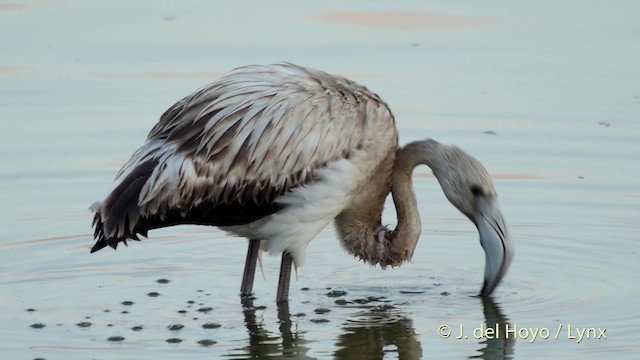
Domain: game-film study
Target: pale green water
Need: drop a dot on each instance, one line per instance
(82, 83)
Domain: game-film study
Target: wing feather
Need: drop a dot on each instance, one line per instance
(252, 136)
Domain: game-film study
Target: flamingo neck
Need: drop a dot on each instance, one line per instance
(360, 227)
(404, 238)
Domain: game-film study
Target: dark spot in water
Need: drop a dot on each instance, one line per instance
(321, 310)
(38, 325)
(153, 294)
(191, 302)
(580, 177)
(319, 321)
(201, 304)
(336, 293)
(200, 290)
(361, 301)
(207, 294)
(299, 315)
(115, 338)
(169, 18)
(87, 317)
(341, 302)
(127, 303)
(174, 340)
(31, 309)
(304, 289)
(195, 318)
(182, 311)
(211, 325)
(109, 325)
(489, 132)
(124, 312)
(260, 307)
(206, 342)
(445, 293)
(415, 44)
(175, 327)
(436, 284)
(84, 324)
(107, 310)
(604, 123)
(376, 298)
(411, 291)
(162, 281)
(137, 328)
(205, 309)
(39, 359)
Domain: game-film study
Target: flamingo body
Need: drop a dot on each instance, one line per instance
(266, 152)
(274, 154)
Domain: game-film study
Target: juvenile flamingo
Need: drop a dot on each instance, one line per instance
(274, 154)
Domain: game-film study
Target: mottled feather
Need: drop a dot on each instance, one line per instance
(242, 141)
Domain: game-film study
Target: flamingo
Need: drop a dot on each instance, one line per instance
(274, 154)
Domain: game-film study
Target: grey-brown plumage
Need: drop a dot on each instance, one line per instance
(236, 144)
(274, 154)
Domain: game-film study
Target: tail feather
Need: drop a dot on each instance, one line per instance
(98, 233)
(103, 241)
(119, 217)
(120, 210)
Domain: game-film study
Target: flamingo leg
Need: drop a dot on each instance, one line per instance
(249, 268)
(285, 278)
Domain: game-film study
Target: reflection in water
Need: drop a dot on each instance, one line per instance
(500, 347)
(263, 343)
(376, 333)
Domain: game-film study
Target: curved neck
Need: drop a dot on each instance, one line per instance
(405, 236)
(359, 227)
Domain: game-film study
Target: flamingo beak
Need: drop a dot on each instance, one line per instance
(495, 241)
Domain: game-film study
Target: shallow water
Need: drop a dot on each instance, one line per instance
(545, 94)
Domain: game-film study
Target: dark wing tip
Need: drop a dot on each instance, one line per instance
(99, 245)
(103, 243)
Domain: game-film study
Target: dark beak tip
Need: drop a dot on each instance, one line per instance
(486, 290)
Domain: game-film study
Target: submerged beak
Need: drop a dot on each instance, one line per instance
(495, 241)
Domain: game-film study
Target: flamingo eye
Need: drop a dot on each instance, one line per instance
(476, 190)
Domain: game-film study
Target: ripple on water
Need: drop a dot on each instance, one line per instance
(363, 313)
(543, 290)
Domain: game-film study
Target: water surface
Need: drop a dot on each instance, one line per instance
(545, 94)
